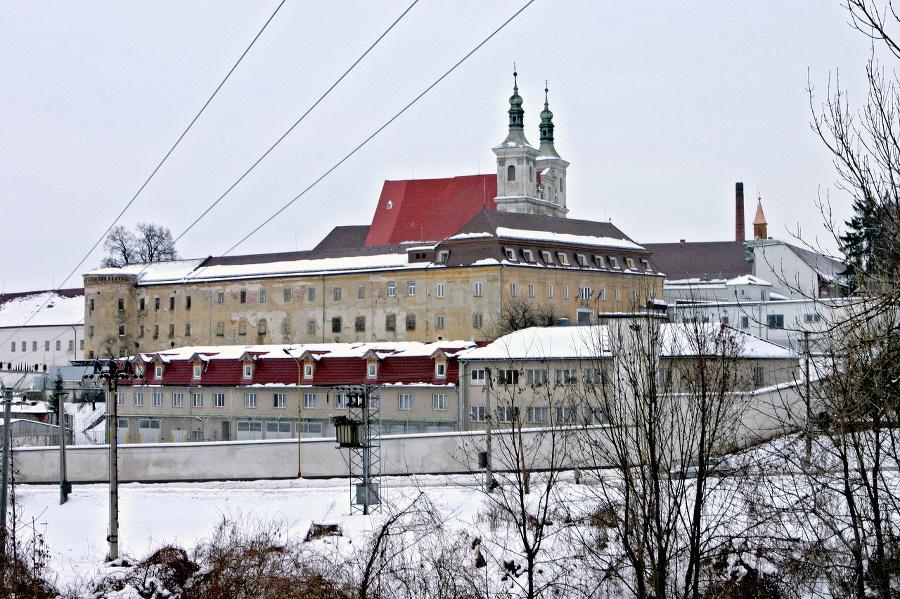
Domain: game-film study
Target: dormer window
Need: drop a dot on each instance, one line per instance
(547, 257)
(440, 369)
(510, 254)
(629, 262)
(528, 255)
(614, 262)
(158, 371)
(646, 265)
(248, 370)
(443, 256)
(582, 261)
(563, 258)
(372, 369)
(308, 369)
(599, 261)
(198, 370)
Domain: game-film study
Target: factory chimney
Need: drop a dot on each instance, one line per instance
(739, 212)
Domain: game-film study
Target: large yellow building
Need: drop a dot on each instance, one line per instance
(461, 258)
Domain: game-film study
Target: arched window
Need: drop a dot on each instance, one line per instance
(511, 173)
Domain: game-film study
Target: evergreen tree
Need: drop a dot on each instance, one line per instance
(58, 394)
(870, 244)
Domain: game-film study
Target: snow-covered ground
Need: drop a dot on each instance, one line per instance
(153, 515)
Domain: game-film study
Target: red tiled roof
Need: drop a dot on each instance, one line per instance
(429, 209)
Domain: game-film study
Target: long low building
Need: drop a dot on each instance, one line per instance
(278, 391)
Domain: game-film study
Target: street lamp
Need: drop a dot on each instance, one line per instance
(299, 413)
(112, 373)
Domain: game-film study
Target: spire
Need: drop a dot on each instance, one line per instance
(516, 136)
(547, 148)
(759, 223)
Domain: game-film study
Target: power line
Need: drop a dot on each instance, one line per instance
(286, 133)
(380, 129)
(158, 166)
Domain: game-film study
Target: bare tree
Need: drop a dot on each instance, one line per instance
(149, 243)
(521, 313)
(671, 395)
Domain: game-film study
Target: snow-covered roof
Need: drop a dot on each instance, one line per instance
(714, 283)
(567, 238)
(42, 310)
(585, 342)
(333, 350)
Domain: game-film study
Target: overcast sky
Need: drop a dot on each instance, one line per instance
(660, 107)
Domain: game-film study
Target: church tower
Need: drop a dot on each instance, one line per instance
(517, 167)
(759, 223)
(551, 168)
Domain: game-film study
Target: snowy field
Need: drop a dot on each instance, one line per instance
(154, 515)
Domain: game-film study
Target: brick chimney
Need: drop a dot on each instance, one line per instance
(739, 212)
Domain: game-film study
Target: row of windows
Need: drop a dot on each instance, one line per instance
(536, 377)
(538, 414)
(34, 345)
(560, 258)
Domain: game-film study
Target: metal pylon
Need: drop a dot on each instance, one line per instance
(365, 460)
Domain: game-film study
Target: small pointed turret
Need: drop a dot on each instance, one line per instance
(516, 136)
(759, 223)
(547, 148)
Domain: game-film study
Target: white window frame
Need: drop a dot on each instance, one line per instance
(279, 400)
(392, 289)
(308, 370)
(478, 290)
(138, 398)
(439, 401)
(197, 400)
(439, 290)
(249, 400)
(411, 288)
(477, 376)
(157, 399)
(198, 370)
(218, 400)
(248, 370)
(477, 413)
(371, 369)
(440, 369)
(405, 402)
(178, 400)
(309, 401)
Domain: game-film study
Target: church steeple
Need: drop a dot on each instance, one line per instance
(759, 223)
(547, 148)
(516, 136)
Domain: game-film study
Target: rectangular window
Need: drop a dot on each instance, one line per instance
(477, 413)
(138, 398)
(390, 322)
(286, 326)
(263, 297)
(598, 260)
(187, 329)
(566, 376)
(549, 291)
(391, 289)
(547, 257)
(12, 347)
(157, 399)
(187, 302)
(410, 288)
(507, 413)
(120, 398)
(248, 370)
(440, 290)
(336, 292)
(510, 254)
(565, 292)
(220, 329)
(171, 302)
(278, 400)
(478, 289)
(528, 255)
(618, 294)
(155, 303)
(262, 327)
(531, 290)
(311, 294)
(477, 377)
(775, 321)
(121, 305)
(336, 325)
(308, 370)
(582, 261)
(311, 326)
(340, 401)
(585, 293)
(178, 400)
(121, 334)
(759, 376)
(287, 294)
(536, 377)
(566, 414)
(509, 376)
(563, 258)
(601, 294)
(512, 290)
(158, 371)
(405, 401)
(439, 401)
(243, 296)
(634, 295)
(242, 327)
(309, 400)
(218, 400)
(142, 303)
(439, 322)
(46, 346)
(171, 330)
(58, 345)
(476, 321)
(140, 330)
(197, 400)
(221, 297)
(361, 292)
(440, 369)
(595, 376)
(360, 324)
(629, 263)
(91, 304)
(538, 414)
(198, 370)
(410, 322)
(372, 370)
(91, 331)
(249, 400)
(155, 331)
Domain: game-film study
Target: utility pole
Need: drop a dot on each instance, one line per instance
(489, 472)
(112, 373)
(287, 350)
(64, 487)
(7, 406)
